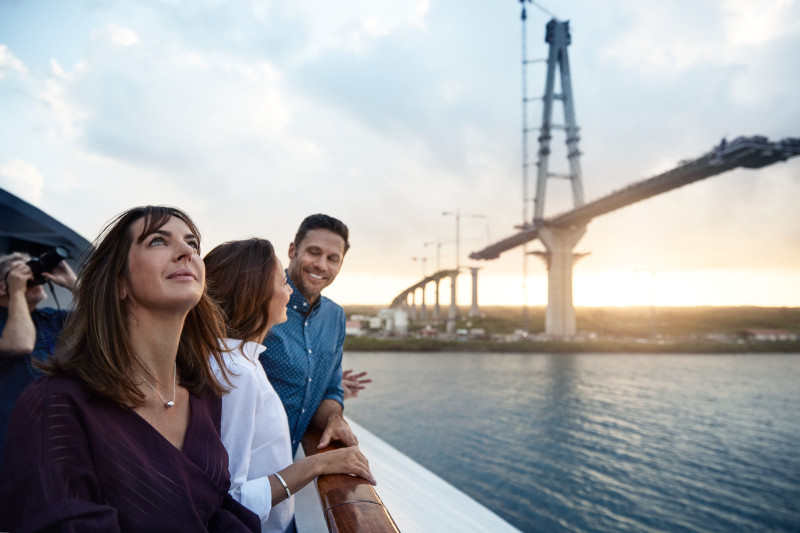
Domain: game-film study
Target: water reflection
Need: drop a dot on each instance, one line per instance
(599, 442)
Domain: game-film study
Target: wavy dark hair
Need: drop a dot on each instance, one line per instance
(240, 276)
(320, 221)
(95, 346)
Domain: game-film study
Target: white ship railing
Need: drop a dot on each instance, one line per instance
(412, 499)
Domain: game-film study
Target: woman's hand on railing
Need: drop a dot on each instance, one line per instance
(348, 460)
(349, 504)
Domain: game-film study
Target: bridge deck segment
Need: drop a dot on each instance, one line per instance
(746, 152)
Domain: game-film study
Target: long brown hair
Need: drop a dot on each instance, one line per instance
(241, 278)
(95, 346)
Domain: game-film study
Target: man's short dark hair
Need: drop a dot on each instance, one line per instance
(320, 221)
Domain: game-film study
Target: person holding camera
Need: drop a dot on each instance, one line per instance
(26, 333)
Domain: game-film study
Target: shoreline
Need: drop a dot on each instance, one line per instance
(364, 344)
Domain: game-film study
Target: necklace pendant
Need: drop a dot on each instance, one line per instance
(170, 404)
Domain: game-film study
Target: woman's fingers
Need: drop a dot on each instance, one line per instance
(349, 461)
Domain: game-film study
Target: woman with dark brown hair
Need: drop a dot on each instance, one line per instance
(249, 283)
(123, 434)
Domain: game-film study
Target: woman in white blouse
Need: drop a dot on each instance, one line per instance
(248, 282)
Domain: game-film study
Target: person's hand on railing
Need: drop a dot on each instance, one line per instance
(349, 503)
(348, 460)
(337, 429)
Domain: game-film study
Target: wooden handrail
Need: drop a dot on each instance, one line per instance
(349, 503)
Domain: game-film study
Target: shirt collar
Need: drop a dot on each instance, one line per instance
(298, 302)
(251, 350)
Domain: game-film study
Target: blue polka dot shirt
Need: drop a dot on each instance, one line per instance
(303, 359)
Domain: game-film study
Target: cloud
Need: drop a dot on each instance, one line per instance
(123, 37)
(8, 62)
(22, 179)
(252, 115)
(664, 40)
(749, 23)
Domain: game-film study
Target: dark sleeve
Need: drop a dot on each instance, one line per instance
(47, 481)
(233, 517)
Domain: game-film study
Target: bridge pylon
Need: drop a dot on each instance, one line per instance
(452, 315)
(558, 37)
(559, 242)
(560, 258)
(474, 310)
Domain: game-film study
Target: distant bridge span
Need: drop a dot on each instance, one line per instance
(746, 152)
(436, 277)
(401, 300)
(564, 230)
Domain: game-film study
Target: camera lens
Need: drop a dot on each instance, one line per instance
(46, 263)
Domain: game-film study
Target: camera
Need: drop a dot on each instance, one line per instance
(46, 263)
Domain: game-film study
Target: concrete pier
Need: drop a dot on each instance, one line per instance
(560, 243)
(473, 310)
(452, 316)
(437, 311)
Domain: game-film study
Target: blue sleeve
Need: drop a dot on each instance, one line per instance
(335, 390)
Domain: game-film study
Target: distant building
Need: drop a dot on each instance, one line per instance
(478, 333)
(395, 321)
(354, 328)
(428, 332)
(768, 335)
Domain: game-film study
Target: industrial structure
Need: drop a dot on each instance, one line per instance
(560, 233)
(568, 227)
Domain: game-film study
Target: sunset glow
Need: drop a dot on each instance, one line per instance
(388, 114)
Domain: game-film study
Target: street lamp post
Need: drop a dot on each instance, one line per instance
(457, 214)
(436, 308)
(422, 259)
(423, 312)
(438, 244)
(453, 315)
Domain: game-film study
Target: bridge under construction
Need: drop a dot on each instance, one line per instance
(560, 233)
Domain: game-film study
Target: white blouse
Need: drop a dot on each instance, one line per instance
(255, 431)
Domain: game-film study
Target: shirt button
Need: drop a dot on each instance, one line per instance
(309, 380)
(302, 410)
(309, 351)
(294, 307)
(306, 323)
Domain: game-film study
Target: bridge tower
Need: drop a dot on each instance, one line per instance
(560, 243)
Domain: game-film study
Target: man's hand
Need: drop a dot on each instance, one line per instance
(337, 429)
(353, 383)
(62, 275)
(330, 421)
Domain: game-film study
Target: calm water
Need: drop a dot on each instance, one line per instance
(608, 443)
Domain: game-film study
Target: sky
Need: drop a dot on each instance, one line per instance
(251, 115)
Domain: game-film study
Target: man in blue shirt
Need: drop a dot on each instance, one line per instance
(303, 359)
(26, 333)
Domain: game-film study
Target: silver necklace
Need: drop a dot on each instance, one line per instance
(166, 403)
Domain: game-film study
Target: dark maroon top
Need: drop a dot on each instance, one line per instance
(77, 462)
